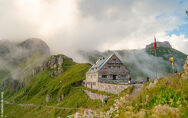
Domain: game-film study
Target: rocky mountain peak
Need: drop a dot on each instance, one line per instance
(35, 45)
(164, 44)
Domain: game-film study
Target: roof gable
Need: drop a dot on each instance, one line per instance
(100, 63)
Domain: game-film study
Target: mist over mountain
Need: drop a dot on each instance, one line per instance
(31, 77)
(22, 57)
(142, 63)
(18, 58)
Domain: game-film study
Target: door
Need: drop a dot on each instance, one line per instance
(114, 77)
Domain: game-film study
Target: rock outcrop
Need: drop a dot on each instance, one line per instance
(59, 99)
(186, 67)
(54, 64)
(164, 44)
(48, 97)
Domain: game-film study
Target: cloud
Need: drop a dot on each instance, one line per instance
(71, 25)
(142, 65)
(179, 42)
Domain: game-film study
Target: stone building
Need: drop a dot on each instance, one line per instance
(107, 70)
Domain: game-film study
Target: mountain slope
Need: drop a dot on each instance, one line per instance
(165, 97)
(17, 60)
(52, 88)
(43, 86)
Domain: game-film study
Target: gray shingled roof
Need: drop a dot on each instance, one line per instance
(99, 64)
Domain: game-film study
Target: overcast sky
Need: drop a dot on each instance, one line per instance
(71, 25)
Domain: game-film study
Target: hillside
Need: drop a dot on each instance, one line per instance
(49, 96)
(51, 87)
(63, 90)
(165, 97)
(142, 62)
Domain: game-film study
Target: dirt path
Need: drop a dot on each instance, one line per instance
(136, 90)
(6, 102)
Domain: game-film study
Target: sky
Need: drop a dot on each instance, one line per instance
(71, 25)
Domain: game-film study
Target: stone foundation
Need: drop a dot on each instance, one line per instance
(109, 88)
(96, 96)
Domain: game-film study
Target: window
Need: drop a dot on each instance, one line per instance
(114, 59)
(104, 76)
(123, 75)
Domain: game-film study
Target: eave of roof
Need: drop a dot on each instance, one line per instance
(99, 67)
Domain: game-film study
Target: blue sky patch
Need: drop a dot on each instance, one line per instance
(181, 1)
(183, 29)
(161, 16)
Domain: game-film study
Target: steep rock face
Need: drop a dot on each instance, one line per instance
(186, 67)
(54, 64)
(164, 44)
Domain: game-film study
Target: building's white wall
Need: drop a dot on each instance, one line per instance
(91, 80)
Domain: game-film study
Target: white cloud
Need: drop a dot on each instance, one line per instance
(71, 25)
(178, 42)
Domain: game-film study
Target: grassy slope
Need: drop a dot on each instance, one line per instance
(3, 75)
(171, 91)
(42, 84)
(168, 98)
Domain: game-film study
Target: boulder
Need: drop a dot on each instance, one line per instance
(60, 98)
(104, 100)
(48, 97)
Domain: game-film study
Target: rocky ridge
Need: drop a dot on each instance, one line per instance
(54, 64)
(164, 44)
